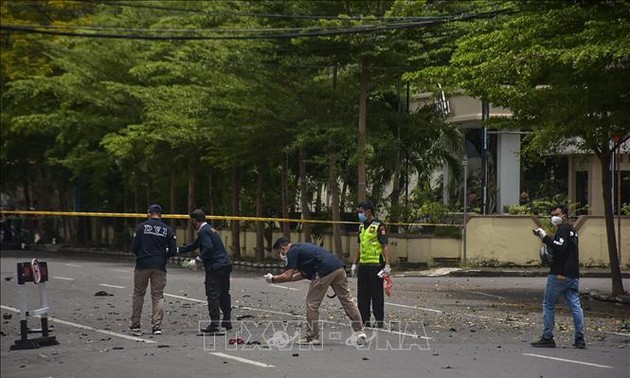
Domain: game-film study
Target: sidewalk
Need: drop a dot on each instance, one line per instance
(504, 272)
(523, 272)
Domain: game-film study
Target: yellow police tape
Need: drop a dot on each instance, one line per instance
(184, 216)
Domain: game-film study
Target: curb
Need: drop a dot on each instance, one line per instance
(602, 296)
(251, 266)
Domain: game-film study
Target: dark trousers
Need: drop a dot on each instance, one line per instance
(370, 291)
(218, 294)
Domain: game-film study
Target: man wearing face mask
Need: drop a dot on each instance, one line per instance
(324, 270)
(563, 278)
(373, 252)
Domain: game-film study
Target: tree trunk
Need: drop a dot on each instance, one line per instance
(26, 191)
(210, 193)
(235, 225)
(285, 194)
(306, 213)
(361, 184)
(332, 167)
(192, 183)
(173, 208)
(615, 270)
(260, 226)
(334, 203)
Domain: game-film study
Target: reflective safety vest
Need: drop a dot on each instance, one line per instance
(371, 248)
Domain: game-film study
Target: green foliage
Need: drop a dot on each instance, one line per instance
(448, 232)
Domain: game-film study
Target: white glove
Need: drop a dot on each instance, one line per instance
(191, 264)
(386, 270)
(540, 232)
(269, 277)
(353, 270)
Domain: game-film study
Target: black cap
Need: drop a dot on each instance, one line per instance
(280, 242)
(155, 209)
(366, 205)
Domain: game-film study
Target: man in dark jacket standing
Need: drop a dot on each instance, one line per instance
(563, 278)
(153, 243)
(218, 266)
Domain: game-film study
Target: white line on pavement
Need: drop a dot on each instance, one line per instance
(618, 333)
(497, 319)
(114, 286)
(73, 265)
(488, 295)
(414, 335)
(186, 298)
(63, 278)
(76, 325)
(285, 287)
(240, 359)
(565, 360)
(123, 270)
(269, 311)
(298, 316)
(414, 307)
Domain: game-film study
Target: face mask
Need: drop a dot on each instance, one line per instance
(556, 220)
(284, 259)
(362, 217)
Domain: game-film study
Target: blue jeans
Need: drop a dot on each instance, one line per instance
(570, 288)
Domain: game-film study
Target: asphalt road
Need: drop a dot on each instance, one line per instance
(439, 327)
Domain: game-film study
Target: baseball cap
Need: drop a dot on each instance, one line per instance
(155, 209)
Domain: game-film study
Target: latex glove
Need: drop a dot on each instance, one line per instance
(192, 264)
(353, 270)
(539, 232)
(269, 277)
(386, 270)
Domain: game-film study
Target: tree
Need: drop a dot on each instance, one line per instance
(564, 71)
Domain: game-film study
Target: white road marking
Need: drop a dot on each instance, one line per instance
(298, 316)
(76, 325)
(618, 333)
(114, 286)
(496, 319)
(270, 311)
(123, 270)
(240, 359)
(414, 307)
(63, 278)
(186, 298)
(488, 295)
(73, 265)
(285, 287)
(414, 335)
(571, 361)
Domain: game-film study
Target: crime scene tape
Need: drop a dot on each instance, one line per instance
(211, 217)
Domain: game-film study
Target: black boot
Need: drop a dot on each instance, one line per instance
(544, 343)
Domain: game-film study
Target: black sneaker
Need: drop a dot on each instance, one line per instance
(544, 343)
(580, 344)
(211, 330)
(157, 331)
(227, 325)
